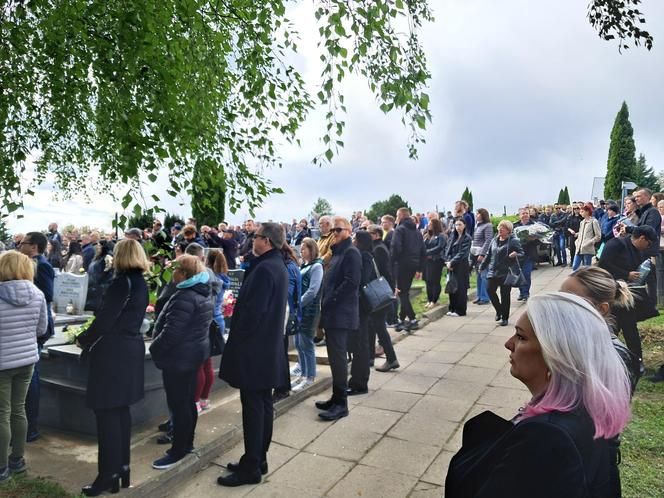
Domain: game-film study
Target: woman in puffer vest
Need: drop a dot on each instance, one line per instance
(23, 317)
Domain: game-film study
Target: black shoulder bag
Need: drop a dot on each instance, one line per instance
(378, 294)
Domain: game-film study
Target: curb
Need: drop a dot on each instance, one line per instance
(166, 481)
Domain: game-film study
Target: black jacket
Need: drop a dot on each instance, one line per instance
(619, 257)
(435, 247)
(45, 280)
(230, 248)
(649, 215)
(116, 362)
(181, 335)
(458, 251)
(341, 284)
(254, 356)
(548, 456)
(382, 257)
(407, 247)
(530, 247)
(368, 274)
(574, 223)
(497, 261)
(558, 221)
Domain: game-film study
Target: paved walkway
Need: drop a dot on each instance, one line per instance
(398, 439)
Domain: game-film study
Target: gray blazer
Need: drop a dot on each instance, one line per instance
(23, 317)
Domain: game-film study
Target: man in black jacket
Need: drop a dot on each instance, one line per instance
(340, 314)
(254, 354)
(408, 256)
(558, 222)
(530, 255)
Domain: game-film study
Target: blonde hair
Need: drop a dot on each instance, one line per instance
(189, 266)
(602, 288)
(16, 266)
(342, 221)
(128, 254)
(507, 224)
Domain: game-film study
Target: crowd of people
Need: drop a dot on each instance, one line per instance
(310, 281)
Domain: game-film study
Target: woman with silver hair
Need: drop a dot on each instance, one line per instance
(560, 442)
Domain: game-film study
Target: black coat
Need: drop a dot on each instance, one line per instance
(619, 257)
(649, 215)
(497, 260)
(116, 362)
(458, 252)
(407, 247)
(254, 354)
(368, 274)
(435, 247)
(382, 257)
(181, 341)
(547, 456)
(341, 284)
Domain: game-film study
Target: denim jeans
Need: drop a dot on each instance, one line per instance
(526, 269)
(559, 247)
(587, 260)
(306, 353)
(482, 286)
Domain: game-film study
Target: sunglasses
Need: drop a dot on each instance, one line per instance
(338, 229)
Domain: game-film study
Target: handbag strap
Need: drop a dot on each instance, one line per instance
(373, 260)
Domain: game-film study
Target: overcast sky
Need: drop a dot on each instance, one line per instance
(523, 96)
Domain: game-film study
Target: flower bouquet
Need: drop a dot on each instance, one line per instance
(228, 304)
(539, 231)
(71, 333)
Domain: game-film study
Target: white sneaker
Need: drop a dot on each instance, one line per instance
(302, 385)
(453, 314)
(199, 409)
(296, 370)
(205, 404)
(449, 313)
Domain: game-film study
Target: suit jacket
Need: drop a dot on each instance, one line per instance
(341, 284)
(254, 355)
(44, 280)
(619, 257)
(548, 456)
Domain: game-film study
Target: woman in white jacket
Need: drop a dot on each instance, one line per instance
(588, 235)
(23, 317)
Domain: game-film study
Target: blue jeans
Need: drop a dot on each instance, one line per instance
(526, 269)
(482, 286)
(306, 353)
(578, 258)
(559, 247)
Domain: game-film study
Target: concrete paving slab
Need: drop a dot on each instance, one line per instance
(476, 328)
(405, 457)
(457, 389)
(312, 475)
(370, 419)
(502, 396)
(505, 379)
(471, 374)
(484, 360)
(378, 379)
(436, 370)
(392, 400)
(418, 343)
(465, 337)
(437, 471)
(442, 356)
(346, 443)
(423, 429)
(460, 347)
(297, 432)
(417, 384)
(427, 490)
(370, 482)
(436, 407)
(204, 483)
(277, 456)
(492, 349)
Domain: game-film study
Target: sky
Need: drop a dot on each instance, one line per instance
(523, 97)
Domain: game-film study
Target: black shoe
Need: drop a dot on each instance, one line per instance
(32, 436)
(498, 317)
(413, 325)
(371, 363)
(401, 326)
(387, 366)
(334, 413)
(235, 479)
(124, 476)
(642, 369)
(278, 396)
(321, 343)
(658, 377)
(476, 301)
(324, 405)
(503, 322)
(165, 427)
(352, 391)
(165, 439)
(102, 484)
(235, 467)
(520, 298)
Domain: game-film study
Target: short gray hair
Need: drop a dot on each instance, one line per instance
(325, 219)
(195, 249)
(274, 233)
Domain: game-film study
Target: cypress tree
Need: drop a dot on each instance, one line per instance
(621, 164)
(567, 200)
(645, 176)
(561, 197)
(468, 197)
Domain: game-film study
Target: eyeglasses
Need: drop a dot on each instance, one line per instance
(262, 237)
(338, 229)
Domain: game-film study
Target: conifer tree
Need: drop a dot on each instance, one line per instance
(621, 164)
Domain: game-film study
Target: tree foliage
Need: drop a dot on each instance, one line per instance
(644, 176)
(388, 206)
(619, 19)
(141, 220)
(621, 164)
(208, 193)
(109, 94)
(4, 231)
(171, 219)
(322, 207)
(467, 196)
(563, 196)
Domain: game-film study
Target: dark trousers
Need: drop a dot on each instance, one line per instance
(113, 439)
(32, 398)
(651, 283)
(257, 419)
(627, 324)
(433, 272)
(559, 247)
(336, 341)
(571, 243)
(459, 299)
(393, 313)
(405, 277)
(359, 346)
(501, 306)
(285, 384)
(377, 328)
(180, 390)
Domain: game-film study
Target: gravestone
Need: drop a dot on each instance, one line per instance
(70, 288)
(236, 277)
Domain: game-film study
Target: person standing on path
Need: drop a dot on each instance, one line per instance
(588, 235)
(500, 261)
(254, 355)
(478, 251)
(340, 315)
(457, 255)
(434, 244)
(408, 255)
(529, 256)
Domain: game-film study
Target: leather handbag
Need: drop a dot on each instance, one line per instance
(514, 278)
(644, 308)
(217, 343)
(378, 294)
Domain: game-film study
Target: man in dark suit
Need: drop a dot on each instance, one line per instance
(254, 355)
(340, 315)
(34, 245)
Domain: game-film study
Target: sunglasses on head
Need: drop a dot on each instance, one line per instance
(338, 229)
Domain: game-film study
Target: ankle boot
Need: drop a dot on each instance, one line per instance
(101, 484)
(124, 476)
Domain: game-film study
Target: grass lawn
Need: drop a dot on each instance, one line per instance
(642, 468)
(421, 299)
(23, 487)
